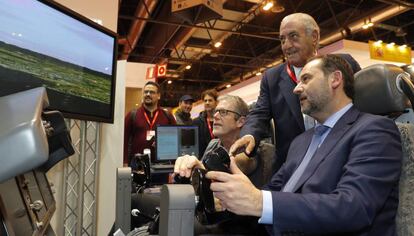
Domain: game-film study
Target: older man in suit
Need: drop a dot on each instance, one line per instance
(340, 178)
(299, 36)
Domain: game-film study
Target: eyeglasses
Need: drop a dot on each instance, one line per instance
(224, 112)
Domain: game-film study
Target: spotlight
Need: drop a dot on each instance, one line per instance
(378, 43)
(258, 73)
(169, 82)
(277, 8)
(228, 86)
(368, 24)
(217, 44)
(402, 48)
(267, 5)
(399, 32)
(187, 67)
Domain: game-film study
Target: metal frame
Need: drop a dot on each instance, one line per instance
(81, 179)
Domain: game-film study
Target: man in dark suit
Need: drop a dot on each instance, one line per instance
(341, 181)
(299, 36)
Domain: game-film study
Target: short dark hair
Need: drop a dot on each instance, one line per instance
(331, 63)
(210, 92)
(154, 84)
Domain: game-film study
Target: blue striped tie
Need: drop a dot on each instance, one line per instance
(316, 140)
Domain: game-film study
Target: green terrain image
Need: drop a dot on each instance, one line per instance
(57, 75)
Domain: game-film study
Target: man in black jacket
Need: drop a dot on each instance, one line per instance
(183, 115)
(205, 120)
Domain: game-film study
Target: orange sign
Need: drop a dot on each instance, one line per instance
(389, 52)
(150, 73)
(161, 70)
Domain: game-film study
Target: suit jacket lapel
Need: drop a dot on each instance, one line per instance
(340, 128)
(286, 87)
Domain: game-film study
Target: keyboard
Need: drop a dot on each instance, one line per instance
(162, 166)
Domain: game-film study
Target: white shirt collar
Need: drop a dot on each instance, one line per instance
(297, 71)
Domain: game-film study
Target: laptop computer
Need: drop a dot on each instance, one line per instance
(173, 141)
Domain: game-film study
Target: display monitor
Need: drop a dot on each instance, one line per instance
(45, 44)
(173, 141)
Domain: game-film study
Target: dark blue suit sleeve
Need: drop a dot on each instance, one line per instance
(259, 117)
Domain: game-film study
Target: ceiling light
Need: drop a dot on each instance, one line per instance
(267, 5)
(399, 32)
(378, 43)
(258, 73)
(187, 67)
(402, 48)
(169, 82)
(277, 8)
(228, 86)
(217, 44)
(367, 24)
(97, 21)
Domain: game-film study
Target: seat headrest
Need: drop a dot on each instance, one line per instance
(378, 91)
(410, 70)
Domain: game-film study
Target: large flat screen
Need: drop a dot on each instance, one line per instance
(45, 44)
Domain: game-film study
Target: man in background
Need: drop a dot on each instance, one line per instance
(205, 120)
(140, 123)
(299, 37)
(183, 113)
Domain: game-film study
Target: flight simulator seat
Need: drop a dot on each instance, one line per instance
(387, 90)
(31, 142)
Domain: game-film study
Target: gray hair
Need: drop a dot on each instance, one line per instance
(236, 102)
(307, 20)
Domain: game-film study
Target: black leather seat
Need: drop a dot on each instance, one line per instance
(387, 90)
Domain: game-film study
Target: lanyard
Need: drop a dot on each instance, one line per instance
(291, 74)
(210, 129)
(151, 124)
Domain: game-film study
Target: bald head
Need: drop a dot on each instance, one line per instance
(306, 20)
(299, 37)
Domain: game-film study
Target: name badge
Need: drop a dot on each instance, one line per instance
(150, 134)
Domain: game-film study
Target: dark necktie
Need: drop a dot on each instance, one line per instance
(316, 140)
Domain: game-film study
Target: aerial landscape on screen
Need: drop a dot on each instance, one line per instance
(43, 46)
(37, 69)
